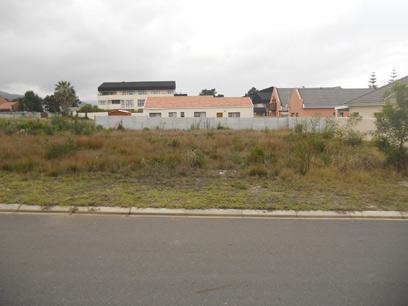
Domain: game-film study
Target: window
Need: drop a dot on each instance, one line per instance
(156, 92)
(199, 114)
(220, 115)
(356, 114)
(140, 102)
(142, 92)
(122, 103)
(154, 115)
(129, 104)
(182, 114)
(170, 92)
(115, 101)
(107, 93)
(172, 114)
(102, 102)
(234, 115)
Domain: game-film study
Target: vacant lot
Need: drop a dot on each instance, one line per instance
(75, 164)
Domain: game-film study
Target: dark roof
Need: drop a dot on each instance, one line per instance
(284, 95)
(265, 97)
(375, 96)
(107, 86)
(330, 97)
(269, 89)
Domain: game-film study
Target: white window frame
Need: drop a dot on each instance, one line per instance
(234, 114)
(141, 102)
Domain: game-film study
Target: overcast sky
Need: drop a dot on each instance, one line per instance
(230, 45)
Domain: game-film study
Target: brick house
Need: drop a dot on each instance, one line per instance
(323, 101)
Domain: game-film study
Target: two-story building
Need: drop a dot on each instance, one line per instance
(132, 95)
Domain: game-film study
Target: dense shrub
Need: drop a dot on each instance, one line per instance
(47, 126)
(59, 149)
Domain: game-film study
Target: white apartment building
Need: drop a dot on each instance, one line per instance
(132, 95)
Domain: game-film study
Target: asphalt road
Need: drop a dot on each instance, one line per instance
(98, 260)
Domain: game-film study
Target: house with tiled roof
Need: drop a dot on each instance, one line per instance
(279, 101)
(323, 101)
(7, 106)
(261, 100)
(372, 102)
(271, 101)
(199, 106)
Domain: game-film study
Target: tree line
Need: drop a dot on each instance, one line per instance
(60, 101)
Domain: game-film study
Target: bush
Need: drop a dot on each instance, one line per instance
(257, 154)
(46, 126)
(57, 149)
(195, 159)
(258, 171)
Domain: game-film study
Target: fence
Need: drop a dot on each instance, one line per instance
(20, 115)
(140, 123)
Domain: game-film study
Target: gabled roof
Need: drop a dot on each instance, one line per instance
(375, 96)
(111, 86)
(284, 95)
(263, 96)
(329, 97)
(195, 102)
(6, 105)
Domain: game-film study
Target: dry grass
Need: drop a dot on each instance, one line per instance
(198, 168)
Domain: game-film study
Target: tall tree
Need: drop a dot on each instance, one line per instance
(393, 76)
(208, 92)
(372, 82)
(392, 126)
(252, 92)
(51, 104)
(65, 95)
(30, 102)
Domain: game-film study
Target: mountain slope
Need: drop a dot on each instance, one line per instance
(9, 96)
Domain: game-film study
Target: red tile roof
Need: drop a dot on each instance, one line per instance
(6, 105)
(196, 102)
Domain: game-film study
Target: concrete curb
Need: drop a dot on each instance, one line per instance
(100, 210)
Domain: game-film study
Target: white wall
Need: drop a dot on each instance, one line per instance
(245, 112)
(366, 112)
(99, 114)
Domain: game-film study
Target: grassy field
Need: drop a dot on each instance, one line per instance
(67, 163)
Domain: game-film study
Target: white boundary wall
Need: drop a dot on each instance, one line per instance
(276, 123)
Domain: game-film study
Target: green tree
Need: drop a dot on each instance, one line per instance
(252, 93)
(372, 81)
(392, 126)
(393, 76)
(65, 95)
(30, 102)
(51, 104)
(208, 92)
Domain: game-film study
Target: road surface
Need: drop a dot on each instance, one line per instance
(113, 260)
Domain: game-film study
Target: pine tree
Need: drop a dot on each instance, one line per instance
(372, 81)
(393, 76)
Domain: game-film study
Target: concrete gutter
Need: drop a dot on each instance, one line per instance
(100, 210)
